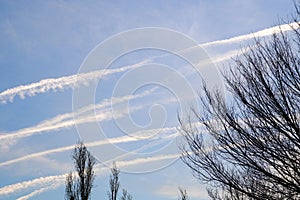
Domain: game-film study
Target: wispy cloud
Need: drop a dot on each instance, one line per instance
(61, 84)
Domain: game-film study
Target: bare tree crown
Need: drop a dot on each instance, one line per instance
(255, 147)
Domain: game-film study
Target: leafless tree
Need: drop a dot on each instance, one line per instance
(183, 195)
(79, 186)
(114, 183)
(248, 146)
(126, 195)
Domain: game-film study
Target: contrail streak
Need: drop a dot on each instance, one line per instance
(76, 80)
(38, 182)
(61, 83)
(116, 140)
(261, 33)
(70, 81)
(83, 115)
(36, 192)
(58, 180)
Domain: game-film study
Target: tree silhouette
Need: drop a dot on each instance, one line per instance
(79, 185)
(249, 147)
(126, 195)
(183, 194)
(114, 183)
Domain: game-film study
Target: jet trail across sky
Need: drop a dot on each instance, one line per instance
(62, 83)
(66, 82)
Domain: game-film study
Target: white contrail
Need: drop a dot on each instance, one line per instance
(66, 120)
(227, 56)
(261, 33)
(38, 182)
(61, 83)
(68, 82)
(58, 180)
(45, 127)
(37, 192)
(87, 114)
(123, 139)
(76, 80)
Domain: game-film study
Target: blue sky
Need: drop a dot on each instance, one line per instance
(44, 43)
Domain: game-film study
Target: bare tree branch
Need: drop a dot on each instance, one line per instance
(254, 151)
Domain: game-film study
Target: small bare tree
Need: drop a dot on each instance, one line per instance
(255, 147)
(79, 185)
(114, 183)
(126, 195)
(183, 195)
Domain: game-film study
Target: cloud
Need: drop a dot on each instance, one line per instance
(62, 83)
